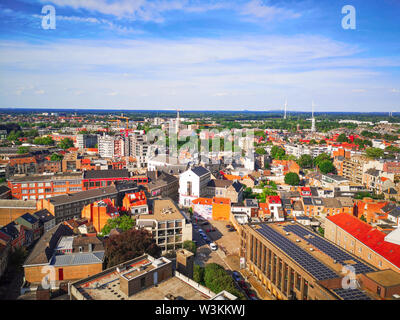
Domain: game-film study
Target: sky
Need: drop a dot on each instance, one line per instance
(201, 55)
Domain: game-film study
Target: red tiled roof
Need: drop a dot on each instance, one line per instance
(371, 237)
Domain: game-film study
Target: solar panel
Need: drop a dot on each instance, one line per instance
(351, 294)
(328, 248)
(309, 263)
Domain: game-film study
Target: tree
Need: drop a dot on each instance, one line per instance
(305, 161)
(198, 274)
(129, 245)
(122, 222)
(374, 153)
(261, 151)
(362, 218)
(292, 179)
(23, 150)
(342, 138)
(217, 279)
(277, 153)
(66, 143)
(44, 141)
(320, 158)
(190, 245)
(56, 157)
(326, 167)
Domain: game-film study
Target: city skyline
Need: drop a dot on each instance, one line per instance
(200, 55)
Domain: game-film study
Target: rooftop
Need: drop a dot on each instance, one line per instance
(386, 278)
(106, 174)
(82, 195)
(163, 210)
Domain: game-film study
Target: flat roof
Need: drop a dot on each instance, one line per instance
(83, 195)
(15, 204)
(318, 262)
(386, 278)
(163, 210)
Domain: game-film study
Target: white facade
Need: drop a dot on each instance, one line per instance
(192, 186)
(106, 146)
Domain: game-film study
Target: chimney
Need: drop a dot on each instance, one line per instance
(90, 247)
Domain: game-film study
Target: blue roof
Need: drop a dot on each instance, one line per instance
(30, 218)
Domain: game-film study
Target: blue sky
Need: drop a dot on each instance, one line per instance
(201, 54)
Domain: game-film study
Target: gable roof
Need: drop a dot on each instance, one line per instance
(200, 171)
(369, 236)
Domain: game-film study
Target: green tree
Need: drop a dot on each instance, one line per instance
(292, 178)
(374, 153)
(342, 138)
(198, 274)
(320, 158)
(66, 143)
(23, 150)
(277, 153)
(362, 218)
(326, 167)
(261, 151)
(56, 157)
(305, 161)
(122, 222)
(44, 141)
(190, 245)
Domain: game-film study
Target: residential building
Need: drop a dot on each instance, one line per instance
(31, 223)
(212, 208)
(70, 257)
(169, 226)
(46, 220)
(101, 178)
(135, 203)
(162, 184)
(99, 212)
(232, 190)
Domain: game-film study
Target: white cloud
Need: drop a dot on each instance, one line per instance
(260, 9)
(191, 73)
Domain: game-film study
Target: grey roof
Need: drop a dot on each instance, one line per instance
(373, 172)
(390, 206)
(314, 191)
(104, 174)
(77, 259)
(83, 195)
(43, 215)
(41, 177)
(28, 217)
(200, 171)
(395, 212)
(43, 250)
(25, 204)
(4, 189)
(307, 201)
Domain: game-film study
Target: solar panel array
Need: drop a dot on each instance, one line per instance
(351, 294)
(309, 263)
(328, 248)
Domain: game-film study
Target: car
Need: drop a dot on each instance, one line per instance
(208, 241)
(236, 276)
(243, 285)
(201, 232)
(252, 296)
(231, 229)
(228, 226)
(195, 226)
(213, 246)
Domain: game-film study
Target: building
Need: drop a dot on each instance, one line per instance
(99, 212)
(70, 206)
(46, 220)
(5, 249)
(363, 240)
(232, 190)
(101, 178)
(135, 203)
(212, 208)
(69, 257)
(143, 278)
(162, 184)
(44, 186)
(295, 263)
(12, 209)
(139, 149)
(353, 168)
(84, 141)
(169, 226)
(193, 184)
(14, 233)
(31, 223)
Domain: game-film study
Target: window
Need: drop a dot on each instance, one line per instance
(369, 256)
(142, 282)
(380, 263)
(31, 185)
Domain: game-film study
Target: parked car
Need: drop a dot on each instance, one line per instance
(228, 226)
(236, 276)
(231, 229)
(252, 296)
(208, 241)
(205, 223)
(213, 246)
(195, 226)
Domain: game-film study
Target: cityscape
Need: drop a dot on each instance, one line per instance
(206, 187)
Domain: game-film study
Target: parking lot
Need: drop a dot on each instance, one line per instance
(227, 254)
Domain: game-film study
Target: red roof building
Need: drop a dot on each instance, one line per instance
(363, 240)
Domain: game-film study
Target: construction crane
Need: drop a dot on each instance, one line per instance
(127, 124)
